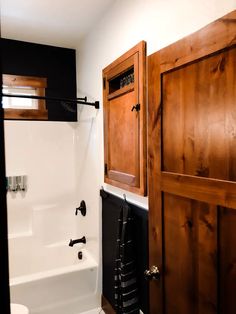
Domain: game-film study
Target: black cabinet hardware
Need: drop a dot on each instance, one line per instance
(81, 208)
(136, 107)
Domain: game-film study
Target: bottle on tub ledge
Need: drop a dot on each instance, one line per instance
(16, 183)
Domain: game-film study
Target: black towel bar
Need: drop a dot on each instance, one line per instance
(82, 101)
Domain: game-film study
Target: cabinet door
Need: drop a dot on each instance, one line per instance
(192, 172)
(125, 121)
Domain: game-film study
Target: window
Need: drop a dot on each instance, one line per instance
(24, 108)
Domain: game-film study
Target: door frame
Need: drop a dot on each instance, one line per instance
(210, 39)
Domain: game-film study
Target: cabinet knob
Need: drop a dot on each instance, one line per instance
(152, 274)
(136, 107)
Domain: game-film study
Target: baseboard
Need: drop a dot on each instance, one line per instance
(106, 306)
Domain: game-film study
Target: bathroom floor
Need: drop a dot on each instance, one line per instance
(94, 311)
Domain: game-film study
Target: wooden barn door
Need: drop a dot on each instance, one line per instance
(192, 172)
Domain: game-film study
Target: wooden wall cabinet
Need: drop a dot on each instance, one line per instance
(124, 98)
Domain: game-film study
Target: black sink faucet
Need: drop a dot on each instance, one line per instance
(82, 240)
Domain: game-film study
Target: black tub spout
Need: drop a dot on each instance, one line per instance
(82, 240)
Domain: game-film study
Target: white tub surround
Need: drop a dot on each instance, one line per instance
(51, 279)
(46, 274)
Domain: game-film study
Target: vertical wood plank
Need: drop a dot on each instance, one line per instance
(199, 105)
(179, 252)
(230, 124)
(154, 169)
(205, 219)
(173, 114)
(123, 135)
(227, 246)
(190, 237)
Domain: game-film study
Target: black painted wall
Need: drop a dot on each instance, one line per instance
(110, 214)
(58, 65)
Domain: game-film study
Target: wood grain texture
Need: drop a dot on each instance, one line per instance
(128, 179)
(124, 90)
(199, 103)
(123, 137)
(190, 255)
(213, 37)
(22, 81)
(121, 65)
(227, 261)
(125, 130)
(38, 84)
(191, 162)
(210, 190)
(25, 114)
(154, 190)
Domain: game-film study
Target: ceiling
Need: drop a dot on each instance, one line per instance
(55, 22)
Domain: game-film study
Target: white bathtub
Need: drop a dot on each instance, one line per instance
(51, 279)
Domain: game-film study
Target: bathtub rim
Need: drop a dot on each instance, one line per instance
(88, 263)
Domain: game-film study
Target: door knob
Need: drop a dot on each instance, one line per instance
(152, 274)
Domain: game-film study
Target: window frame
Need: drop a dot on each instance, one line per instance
(39, 84)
